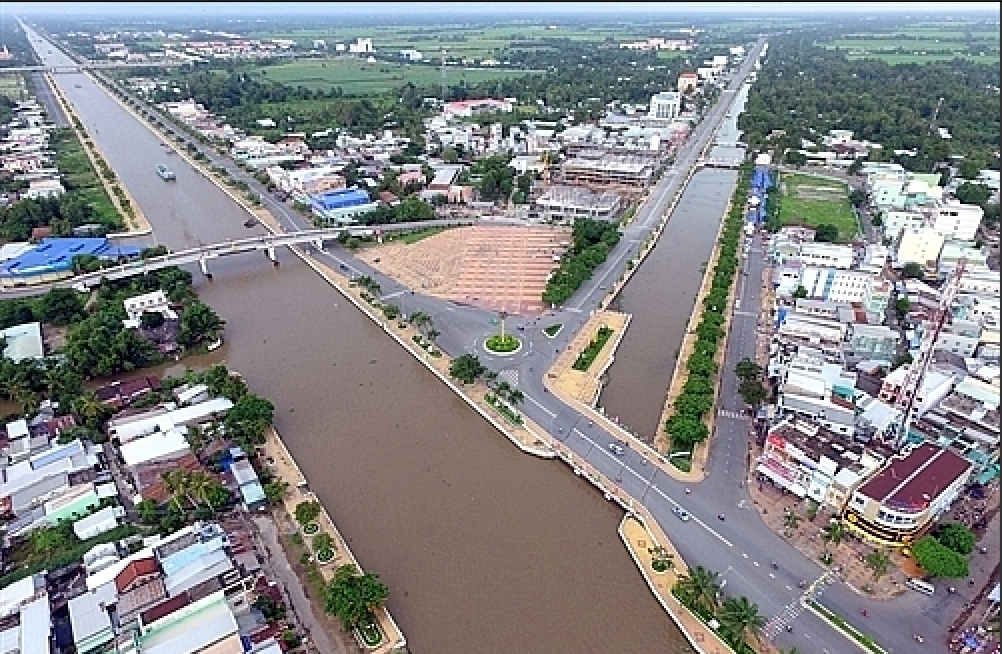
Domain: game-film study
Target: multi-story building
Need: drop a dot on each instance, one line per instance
(603, 169)
(808, 461)
(845, 286)
(934, 387)
(921, 246)
(896, 220)
(955, 221)
(566, 203)
(666, 105)
(874, 341)
(687, 82)
(827, 255)
(906, 495)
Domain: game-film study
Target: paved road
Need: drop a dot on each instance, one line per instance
(741, 548)
(43, 91)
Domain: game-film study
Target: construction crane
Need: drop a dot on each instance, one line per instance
(912, 383)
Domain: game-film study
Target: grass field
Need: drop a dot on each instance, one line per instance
(12, 87)
(814, 201)
(360, 78)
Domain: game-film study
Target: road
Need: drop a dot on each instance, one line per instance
(740, 547)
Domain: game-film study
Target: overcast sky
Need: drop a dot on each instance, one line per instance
(467, 8)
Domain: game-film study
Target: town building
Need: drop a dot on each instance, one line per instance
(566, 203)
(601, 169)
(921, 246)
(666, 105)
(341, 207)
(910, 491)
(23, 342)
(52, 258)
(688, 82)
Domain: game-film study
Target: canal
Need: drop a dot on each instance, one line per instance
(661, 293)
(484, 549)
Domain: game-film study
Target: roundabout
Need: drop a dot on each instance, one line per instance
(504, 345)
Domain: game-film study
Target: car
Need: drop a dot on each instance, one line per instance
(681, 514)
(616, 449)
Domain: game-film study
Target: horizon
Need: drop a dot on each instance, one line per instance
(390, 9)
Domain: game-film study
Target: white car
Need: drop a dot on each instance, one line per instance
(616, 449)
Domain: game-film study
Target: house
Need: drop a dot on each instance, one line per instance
(99, 522)
(153, 302)
(246, 479)
(158, 446)
(122, 393)
(23, 342)
(899, 502)
(163, 419)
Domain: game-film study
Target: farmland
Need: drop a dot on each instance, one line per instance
(924, 44)
(357, 77)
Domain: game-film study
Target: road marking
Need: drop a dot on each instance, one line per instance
(390, 296)
(536, 402)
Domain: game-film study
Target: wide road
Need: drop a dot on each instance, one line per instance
(741, 547)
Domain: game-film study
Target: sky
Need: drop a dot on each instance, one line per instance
(472, 8)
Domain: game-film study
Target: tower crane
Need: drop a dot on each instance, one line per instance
(912, 383)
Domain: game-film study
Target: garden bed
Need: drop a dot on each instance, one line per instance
(590, 353)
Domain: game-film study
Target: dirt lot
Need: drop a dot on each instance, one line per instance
(499, 267)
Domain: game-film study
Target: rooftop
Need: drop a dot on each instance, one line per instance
(914, 480)
(56, 255)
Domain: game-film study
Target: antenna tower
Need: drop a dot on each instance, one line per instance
(912, 384)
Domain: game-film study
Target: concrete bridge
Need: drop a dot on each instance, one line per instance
(203, 254)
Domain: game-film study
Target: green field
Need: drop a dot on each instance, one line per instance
(924, 44)
(357, 77)
(813, 201)
(12, 87)
(456, 40)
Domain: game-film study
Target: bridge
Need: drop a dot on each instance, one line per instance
(203, 254)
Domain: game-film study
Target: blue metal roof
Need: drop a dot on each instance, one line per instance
(340, 199)
(56, 255)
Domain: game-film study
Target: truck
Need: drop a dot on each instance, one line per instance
(165, 173)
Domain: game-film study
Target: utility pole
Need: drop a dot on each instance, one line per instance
(935, 115)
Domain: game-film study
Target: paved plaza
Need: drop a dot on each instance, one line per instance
(496, 267)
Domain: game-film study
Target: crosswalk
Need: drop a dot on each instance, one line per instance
(510, 376)
(728, 413)
(791, 611)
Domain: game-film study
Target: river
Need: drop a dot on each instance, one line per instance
(484, 549)
(661, 294)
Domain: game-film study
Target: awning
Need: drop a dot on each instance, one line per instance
(791, 486)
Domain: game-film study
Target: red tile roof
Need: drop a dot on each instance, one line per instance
(913, 481)
(136, 569)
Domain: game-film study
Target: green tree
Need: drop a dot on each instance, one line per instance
(686, 431)
(307, 511)
(248, 419)
(353, 596)
(45, 541)
(61, 306)
(834, 534)
(878, 561)
(901, 306)
(791, 520)
(826, 233)
(699, 590)
(748, 370)
(467, 368)
(956, 536)
(969, 193)
(913, 270)
(800, 292)
(661, 559)
(753, 392)
(199, 323)
(148, 511)
(738, 616)
(938, 560)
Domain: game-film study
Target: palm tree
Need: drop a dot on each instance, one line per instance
(701, 587)
(878, 561)
(739, 615)
(516, 396)
(834, 534)
(176, 482)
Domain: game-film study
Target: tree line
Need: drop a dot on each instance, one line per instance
(591, 242)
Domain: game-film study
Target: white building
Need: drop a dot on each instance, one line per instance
(665, 105)
(921, 246)
(896, 220)
(955, 221)
(827, 255)
(836, 285)
(154, 302)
